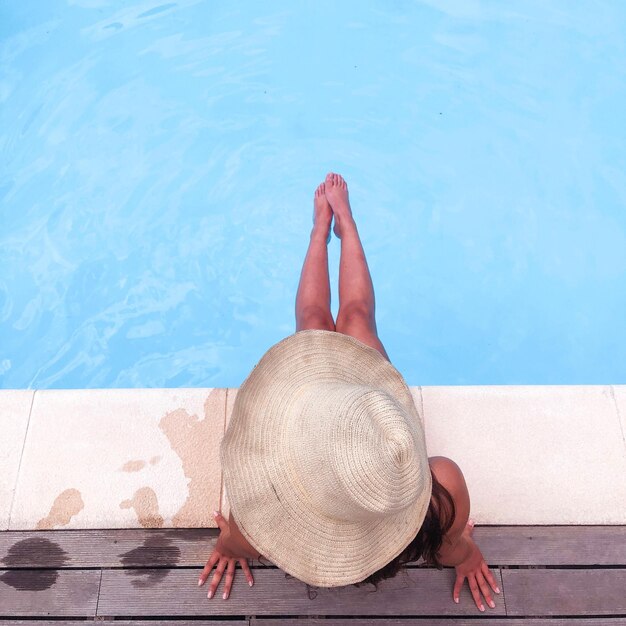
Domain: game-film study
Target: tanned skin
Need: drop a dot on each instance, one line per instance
(356, 317)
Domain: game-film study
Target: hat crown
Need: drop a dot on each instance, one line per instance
(353, 449)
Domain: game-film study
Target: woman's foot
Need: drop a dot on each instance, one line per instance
(322, 213)
(337, 195)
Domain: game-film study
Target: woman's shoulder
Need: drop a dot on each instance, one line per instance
(450, 476)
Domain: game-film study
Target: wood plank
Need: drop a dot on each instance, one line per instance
(430, 621)
(189, 547)
(312, 621)
(532, 592)
(112, 547)
(552, 545)
(418, 591)
(48, 592)
(139, 622)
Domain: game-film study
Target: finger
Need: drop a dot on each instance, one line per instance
(213, 559)
(457, 588)
(215, 581)
(484, 587)
(219, 518)
(473, 585)
(246, 570)
(470, 526)
(230, 574)
(490, 577)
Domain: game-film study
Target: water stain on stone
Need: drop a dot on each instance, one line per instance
(146, 505)
(67, 504)
(189, 438)
(138, 464)
(156, 551)
(23, 553)
(133, 466)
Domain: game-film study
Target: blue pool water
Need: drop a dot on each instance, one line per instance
(158, 165)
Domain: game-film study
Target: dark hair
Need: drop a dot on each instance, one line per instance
(438, 521)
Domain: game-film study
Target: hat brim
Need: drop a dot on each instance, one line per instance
(269, 510)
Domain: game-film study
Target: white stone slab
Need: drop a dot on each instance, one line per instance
(619, 396)
(14, 411)
(121, 458)
(150, 457)
(532, 454)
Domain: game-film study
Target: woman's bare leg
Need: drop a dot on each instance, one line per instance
(357, 305)
(313, 296)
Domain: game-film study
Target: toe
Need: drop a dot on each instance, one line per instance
(329, 178)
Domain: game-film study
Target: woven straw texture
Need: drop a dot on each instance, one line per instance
(324, 459)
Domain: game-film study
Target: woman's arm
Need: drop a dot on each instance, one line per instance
(456, 546)
(237, 543)
(457, 552)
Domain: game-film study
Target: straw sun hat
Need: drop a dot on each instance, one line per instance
(324, 459)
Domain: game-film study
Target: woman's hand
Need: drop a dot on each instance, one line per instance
(475, 569)
(225, 558)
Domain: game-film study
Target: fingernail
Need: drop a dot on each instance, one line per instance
(456, 600)
(492, 604)
(482, 608)
(210, 594)
(250, 583)
(224, 596)
(497, 589)
(215, 513)
(199, 581)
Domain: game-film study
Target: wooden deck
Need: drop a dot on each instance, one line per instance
(549, 575)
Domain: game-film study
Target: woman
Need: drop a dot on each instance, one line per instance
(445, 536)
